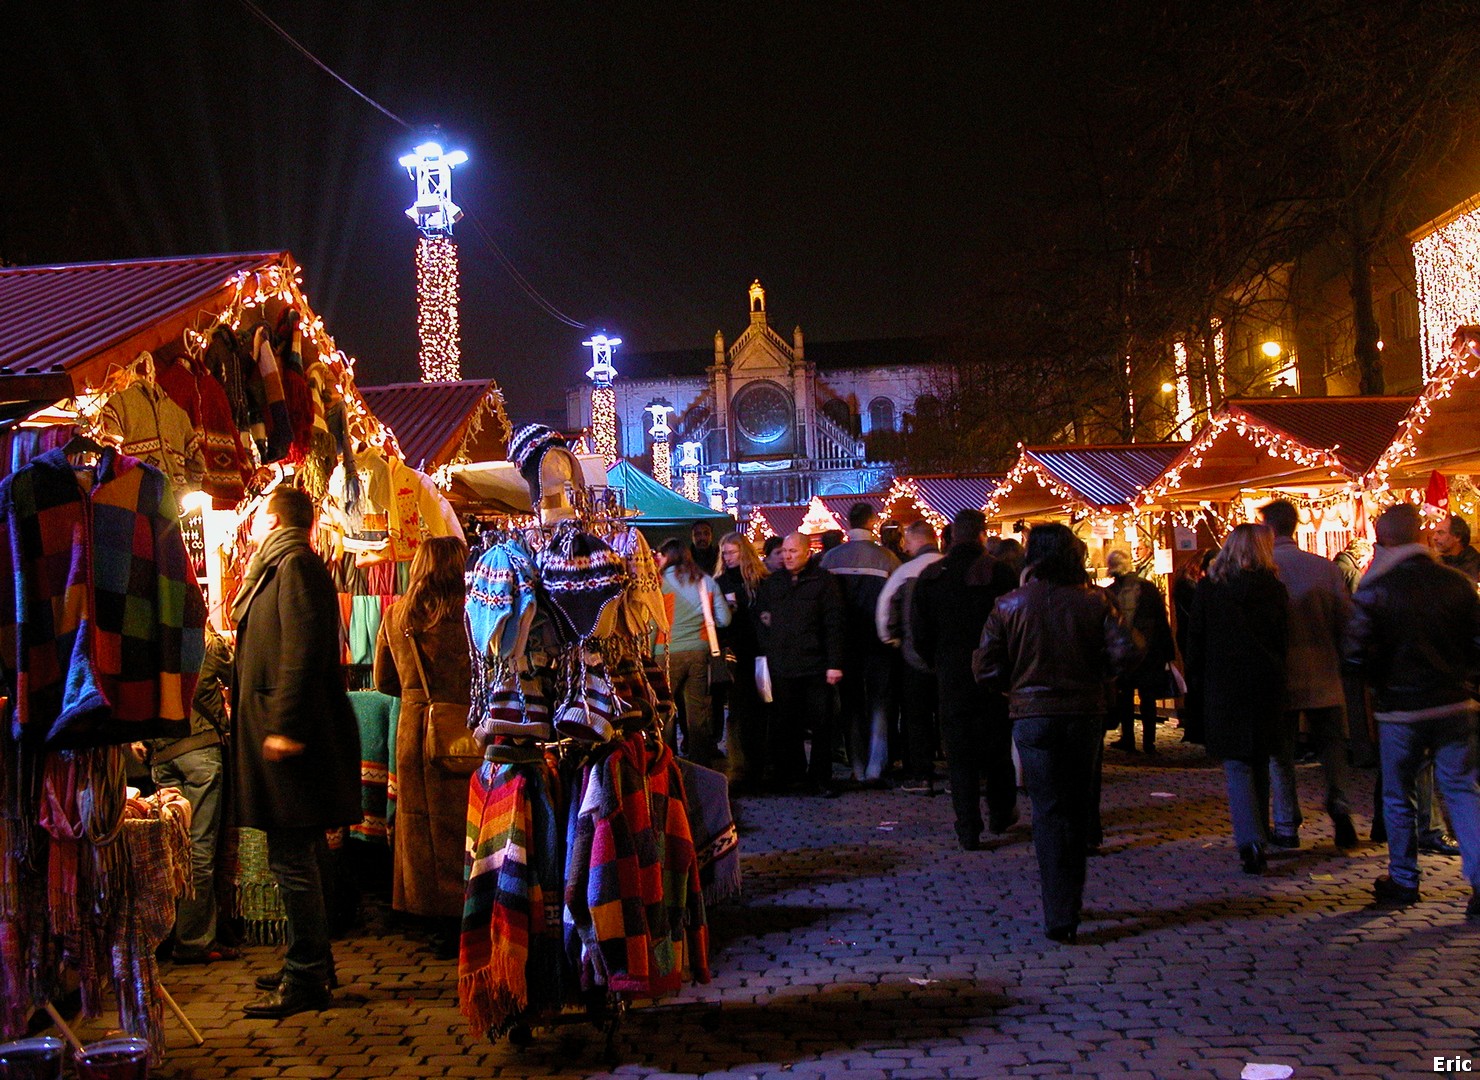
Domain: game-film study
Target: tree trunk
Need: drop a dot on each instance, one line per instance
(1365, 329)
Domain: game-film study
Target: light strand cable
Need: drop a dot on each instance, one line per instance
(520, 280)
(291, 40)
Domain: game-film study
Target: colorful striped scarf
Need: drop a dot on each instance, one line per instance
(509, 955)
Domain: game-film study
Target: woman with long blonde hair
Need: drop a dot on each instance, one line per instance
(740, 575)
(1236, 662)
(421, 656)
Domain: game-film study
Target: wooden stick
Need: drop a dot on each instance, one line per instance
(67, 1032)
(180, 1015)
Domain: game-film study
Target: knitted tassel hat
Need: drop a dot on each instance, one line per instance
(581, 575)
(507, 715)
(527, 450)
(490, 601)
(591, 712)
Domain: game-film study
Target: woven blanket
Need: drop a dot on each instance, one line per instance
(632, 890)
(716, 840)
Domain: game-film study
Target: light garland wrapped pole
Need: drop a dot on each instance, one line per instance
(662, 455)
(603, 397)
(435, 213)
(689, 466)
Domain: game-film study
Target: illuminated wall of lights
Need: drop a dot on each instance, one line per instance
(604, 423)
(436, 309)
(1446, 261)
(662, 463)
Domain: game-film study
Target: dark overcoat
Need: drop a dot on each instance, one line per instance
(1236, 655)
(289, 682)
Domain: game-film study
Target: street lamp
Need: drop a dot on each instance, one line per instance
(603, 397)
(1271, 349)
(434, 213)
(662, 455)
(688, 467)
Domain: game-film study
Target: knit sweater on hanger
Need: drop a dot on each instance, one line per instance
(204, 400)
(102, 627)
(147, 425)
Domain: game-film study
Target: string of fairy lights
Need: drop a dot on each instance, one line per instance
(437, 327)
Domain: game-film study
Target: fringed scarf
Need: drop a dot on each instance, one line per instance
(510, 962)
(716, 840)
(254, 890)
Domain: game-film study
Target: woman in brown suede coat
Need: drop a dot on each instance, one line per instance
(431, 804)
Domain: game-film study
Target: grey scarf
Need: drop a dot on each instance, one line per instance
(280, 543)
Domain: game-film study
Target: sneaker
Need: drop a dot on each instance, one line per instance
(1388, 891)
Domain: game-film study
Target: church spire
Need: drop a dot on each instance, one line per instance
(757, 302)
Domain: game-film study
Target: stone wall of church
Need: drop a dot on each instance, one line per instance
(876, 395)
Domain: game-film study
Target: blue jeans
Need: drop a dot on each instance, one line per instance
(197, 774)
(1451, 739)
(866, 693)
(293, 856)
(1248, 799)
(1058, 756)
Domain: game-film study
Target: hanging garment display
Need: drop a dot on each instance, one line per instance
(144, 423)
(582, 577)
(271, 425)
(107, 623)
(201, 396)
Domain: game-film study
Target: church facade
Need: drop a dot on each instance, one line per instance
(780, 420)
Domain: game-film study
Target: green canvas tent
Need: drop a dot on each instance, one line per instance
(661, 512)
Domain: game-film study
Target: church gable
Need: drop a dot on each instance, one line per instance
(759, 351)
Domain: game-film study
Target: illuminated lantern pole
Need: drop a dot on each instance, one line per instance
(689, 466)
(603, 397)
(732, 501)
(662, 455)
(716, 491)
(435, 213)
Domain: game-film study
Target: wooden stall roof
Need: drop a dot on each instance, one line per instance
(438, 423)
(1442, 428)
(1289, 442)
(62, 327)
(1050, 481)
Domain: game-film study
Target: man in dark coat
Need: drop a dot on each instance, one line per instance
(298, 746)
(1145, 611)
(1415, 637)
(799, 614)
(1452, 542)
(953, 598)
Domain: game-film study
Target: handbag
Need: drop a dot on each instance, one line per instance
(447, 744)
(721, 664)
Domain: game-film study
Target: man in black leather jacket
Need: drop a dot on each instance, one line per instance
(1415, 638)
(1054, 645)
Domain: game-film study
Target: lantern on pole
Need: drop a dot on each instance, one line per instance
(434, 212)
(603, 397)
(662, 455)
(689, 465)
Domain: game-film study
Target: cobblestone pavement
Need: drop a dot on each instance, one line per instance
(869, 946)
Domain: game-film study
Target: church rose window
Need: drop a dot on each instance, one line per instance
(764, 412)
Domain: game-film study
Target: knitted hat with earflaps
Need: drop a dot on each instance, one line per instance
(581, 575)
(490, 601)
(527, 450)
(589, 715)
(507, 716)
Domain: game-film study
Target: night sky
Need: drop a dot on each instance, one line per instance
(639, 164)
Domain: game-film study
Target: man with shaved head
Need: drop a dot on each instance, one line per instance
(799, 612)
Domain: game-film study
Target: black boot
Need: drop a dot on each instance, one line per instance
(289, 998)
(1253, 858)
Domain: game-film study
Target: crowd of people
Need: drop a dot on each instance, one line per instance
(876, 653)
(888, 646)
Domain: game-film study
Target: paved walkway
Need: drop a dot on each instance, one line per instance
(869, 946)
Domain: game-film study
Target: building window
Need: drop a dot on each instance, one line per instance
(881, 415)
(839, 413)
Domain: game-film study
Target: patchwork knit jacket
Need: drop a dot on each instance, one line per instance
(101, 625)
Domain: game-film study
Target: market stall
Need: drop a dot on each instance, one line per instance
(812, 518)
(1311, 451)
(937, 498)
(161, 398)
(1091, 488)
(661, 512)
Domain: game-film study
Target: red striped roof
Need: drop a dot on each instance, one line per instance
(839, 505)
(1356, 429)
(430, 419)
(783, 519)
(57, 318)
